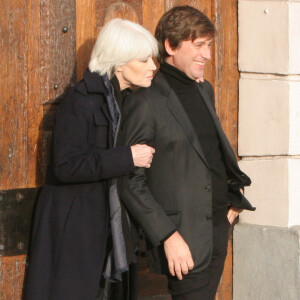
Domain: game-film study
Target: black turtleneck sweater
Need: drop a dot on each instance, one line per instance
(196, 109)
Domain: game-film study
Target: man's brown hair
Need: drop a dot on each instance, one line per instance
(182, 23)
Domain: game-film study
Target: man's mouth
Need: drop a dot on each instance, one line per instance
(200, 63)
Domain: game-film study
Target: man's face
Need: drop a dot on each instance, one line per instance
(191, 57)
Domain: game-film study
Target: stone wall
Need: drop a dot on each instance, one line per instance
(266, 242)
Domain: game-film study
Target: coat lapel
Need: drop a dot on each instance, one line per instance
(177, 110)
(227, 149)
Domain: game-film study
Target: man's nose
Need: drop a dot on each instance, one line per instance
(206, 52)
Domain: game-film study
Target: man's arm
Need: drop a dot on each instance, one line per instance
(139, 127)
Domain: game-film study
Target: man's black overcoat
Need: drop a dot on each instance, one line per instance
(71, 218)
(175, 193)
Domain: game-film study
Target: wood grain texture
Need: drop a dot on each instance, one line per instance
(58, 48)
(13, 86)
(152, 12)
(34, 107)
(85, 33)
(11, 277)
(227, 74)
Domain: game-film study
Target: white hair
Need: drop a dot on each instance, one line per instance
(119, 42)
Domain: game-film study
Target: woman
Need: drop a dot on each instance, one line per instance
(79, 210)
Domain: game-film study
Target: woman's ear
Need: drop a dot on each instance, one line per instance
(169, 48)
(119, 69)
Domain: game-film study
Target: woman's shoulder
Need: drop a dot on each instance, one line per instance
(78, 99)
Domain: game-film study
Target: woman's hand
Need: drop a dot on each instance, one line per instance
(142, 155)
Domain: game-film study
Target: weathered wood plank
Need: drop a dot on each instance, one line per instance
(152, 12)
(13, 86)
(58, 46)
(227, 74)
(34, 107)
(85, 33)
(12, 277)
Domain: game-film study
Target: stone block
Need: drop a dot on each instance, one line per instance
(266, 263)
(269, 115)
(269, 191)
(269, 39)
(294, 37)
(294, 191)
(274, 191)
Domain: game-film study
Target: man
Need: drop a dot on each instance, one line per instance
(187, 199)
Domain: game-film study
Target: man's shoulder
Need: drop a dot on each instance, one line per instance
(157, 89)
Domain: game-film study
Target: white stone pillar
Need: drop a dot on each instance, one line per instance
(266, 242)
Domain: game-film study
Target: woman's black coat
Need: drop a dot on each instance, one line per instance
(71, 219)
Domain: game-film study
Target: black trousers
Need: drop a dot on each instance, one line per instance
(203, 285)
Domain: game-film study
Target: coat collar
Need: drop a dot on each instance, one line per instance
(94, 82)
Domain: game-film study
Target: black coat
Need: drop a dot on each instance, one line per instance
(69, 237)
(174, 194)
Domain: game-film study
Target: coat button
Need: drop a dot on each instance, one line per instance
(208, 188)
(209, 218)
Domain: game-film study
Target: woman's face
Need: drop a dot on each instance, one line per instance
(136, 73)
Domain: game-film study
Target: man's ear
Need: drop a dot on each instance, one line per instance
(168, 48)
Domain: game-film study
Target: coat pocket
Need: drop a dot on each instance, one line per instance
(175, 216)
(99, 130)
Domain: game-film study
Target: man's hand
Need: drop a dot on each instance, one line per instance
(179, 256)
(142, 155)
(233, 212)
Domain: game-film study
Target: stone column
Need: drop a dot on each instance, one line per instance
(266, 242)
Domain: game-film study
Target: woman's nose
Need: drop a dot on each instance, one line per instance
(152, 65)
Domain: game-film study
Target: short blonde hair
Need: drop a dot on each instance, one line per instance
(119, 42)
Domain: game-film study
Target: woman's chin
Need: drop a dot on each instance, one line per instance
(146, 84)
(141, 84)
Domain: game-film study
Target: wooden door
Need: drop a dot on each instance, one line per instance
(45, 45)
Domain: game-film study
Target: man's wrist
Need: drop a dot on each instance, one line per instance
(168, 235)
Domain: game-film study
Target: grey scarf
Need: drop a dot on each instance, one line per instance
(117, 261)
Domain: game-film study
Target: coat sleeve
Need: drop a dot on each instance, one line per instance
(74, 161)
(139, 128)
